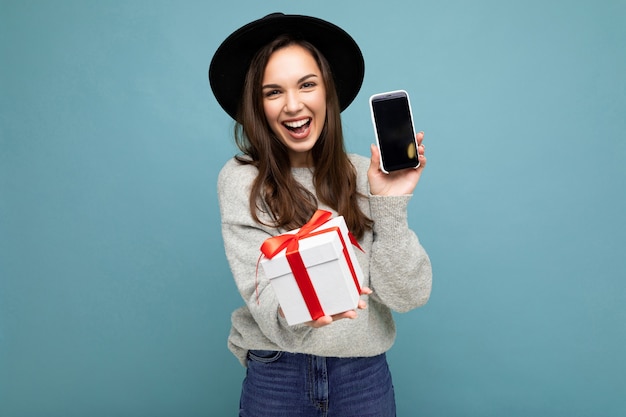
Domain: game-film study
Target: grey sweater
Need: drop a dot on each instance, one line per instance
(394, 264)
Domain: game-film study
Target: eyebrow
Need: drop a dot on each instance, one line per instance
(306, 77)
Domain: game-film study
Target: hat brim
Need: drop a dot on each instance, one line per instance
(230, 63)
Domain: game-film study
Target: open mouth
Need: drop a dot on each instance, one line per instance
(298, 126)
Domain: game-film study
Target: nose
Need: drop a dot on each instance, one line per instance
(293, 104)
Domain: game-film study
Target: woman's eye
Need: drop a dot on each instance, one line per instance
(271, 93)
(308, 85)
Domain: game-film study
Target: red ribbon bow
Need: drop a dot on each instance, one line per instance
(274, 245)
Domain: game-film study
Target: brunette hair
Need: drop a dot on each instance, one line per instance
(334, 177)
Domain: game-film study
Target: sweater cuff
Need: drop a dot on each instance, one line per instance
(389, 214)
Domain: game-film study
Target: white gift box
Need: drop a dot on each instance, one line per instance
(324, 256)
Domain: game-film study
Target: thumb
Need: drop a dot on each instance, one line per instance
(375, 159)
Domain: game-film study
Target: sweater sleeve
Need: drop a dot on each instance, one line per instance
(400, 272)
(400, 269)
(242, 241)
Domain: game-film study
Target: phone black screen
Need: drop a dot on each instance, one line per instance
(396, 138)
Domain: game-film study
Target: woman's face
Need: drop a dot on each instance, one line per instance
(294, 100)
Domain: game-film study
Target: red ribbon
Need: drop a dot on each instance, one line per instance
(274, 245)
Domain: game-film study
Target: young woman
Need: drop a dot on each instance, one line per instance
(285, 79)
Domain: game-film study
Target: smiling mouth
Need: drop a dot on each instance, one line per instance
(298, 126)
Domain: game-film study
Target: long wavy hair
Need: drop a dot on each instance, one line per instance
(275, 188)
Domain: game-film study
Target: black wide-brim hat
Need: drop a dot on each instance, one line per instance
(230, 63)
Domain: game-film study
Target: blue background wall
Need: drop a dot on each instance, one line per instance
(115, 294)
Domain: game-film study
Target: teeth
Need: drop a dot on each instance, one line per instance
(297, 124)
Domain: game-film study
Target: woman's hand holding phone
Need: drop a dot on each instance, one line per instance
(400, 182)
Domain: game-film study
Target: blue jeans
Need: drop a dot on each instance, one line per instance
(281, 384)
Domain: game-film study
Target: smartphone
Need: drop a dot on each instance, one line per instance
(395, 133)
